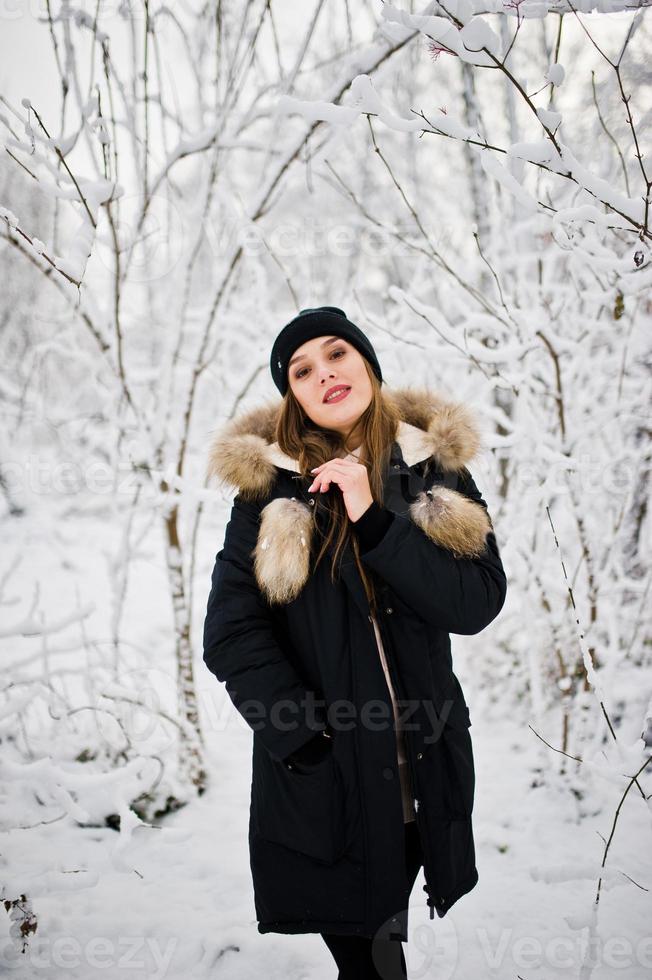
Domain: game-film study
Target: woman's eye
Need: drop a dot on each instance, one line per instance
(299, 373)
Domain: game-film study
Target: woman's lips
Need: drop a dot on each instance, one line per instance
(337, 398)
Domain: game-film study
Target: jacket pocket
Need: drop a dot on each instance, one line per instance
(460, 772)
(448, 768)
(301, 808)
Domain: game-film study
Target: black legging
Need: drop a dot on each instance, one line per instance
(353, 954)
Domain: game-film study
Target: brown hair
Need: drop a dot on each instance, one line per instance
(299, 437)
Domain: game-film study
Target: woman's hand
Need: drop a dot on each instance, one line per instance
(352, 479)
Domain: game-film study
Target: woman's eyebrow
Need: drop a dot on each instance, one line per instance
(299, 357)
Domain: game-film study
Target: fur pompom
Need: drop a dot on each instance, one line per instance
(452, 521)
(282, 552)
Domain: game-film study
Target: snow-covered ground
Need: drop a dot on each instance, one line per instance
(177, 902)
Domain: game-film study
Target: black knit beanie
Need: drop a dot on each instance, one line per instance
(316, 322)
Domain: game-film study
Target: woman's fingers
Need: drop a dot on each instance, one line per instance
(327, 473)
(322, 482)
(326, 477)
(352, 479)
(334, 471)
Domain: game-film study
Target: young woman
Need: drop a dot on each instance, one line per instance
(357, 542)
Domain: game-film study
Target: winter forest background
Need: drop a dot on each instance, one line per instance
(471, 182)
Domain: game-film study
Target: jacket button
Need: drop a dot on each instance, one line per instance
(311, 501)
(419, 755)
(388, 773)
(397, 466)
(389, 610)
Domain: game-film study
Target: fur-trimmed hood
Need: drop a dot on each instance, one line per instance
(244, 455)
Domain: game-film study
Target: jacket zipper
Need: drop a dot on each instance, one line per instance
(417, 803)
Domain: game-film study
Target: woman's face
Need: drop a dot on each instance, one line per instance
(321, 365)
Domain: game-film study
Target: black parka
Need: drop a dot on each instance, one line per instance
(298, 653)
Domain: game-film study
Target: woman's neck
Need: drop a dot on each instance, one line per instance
(353, 452)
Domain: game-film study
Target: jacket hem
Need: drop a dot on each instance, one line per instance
(334, 928)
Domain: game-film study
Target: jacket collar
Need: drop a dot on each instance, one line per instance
(245, 455)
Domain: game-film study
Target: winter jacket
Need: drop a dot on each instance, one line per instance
(298, 655)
